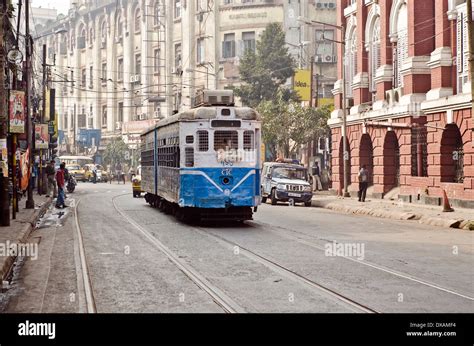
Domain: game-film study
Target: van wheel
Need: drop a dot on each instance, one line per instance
(273, 197)
(264, 199)
(307, 204)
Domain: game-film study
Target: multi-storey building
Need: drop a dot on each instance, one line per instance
(408, 93)
(120, 65)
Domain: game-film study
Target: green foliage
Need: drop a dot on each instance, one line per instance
(265, 70)
(117, 151)
(288, 125)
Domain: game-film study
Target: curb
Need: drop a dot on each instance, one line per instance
(395, 215)
(24, 233)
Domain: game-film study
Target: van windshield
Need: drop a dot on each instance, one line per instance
(289, 173)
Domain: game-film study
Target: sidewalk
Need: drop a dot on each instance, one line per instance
(398, 210)
(19, 230)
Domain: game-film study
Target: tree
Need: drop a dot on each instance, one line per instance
(117, 151)
(288, 125)
(264, 71)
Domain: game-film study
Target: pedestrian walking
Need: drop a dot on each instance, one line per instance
(50, 175)
(316, 173)
(363, 183)
(60, 179)
(119, 173)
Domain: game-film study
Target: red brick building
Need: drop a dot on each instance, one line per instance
(409, 97)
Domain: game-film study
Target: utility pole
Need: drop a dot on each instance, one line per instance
(4, 204)
(470, 30)
(311, 88)
(30, 203)
(342, 28)
(42, 118)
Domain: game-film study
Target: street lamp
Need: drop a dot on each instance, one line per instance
(344, 102)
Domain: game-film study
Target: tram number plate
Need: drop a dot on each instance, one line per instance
(292, 194)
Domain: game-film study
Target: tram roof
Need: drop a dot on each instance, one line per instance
(244, 113)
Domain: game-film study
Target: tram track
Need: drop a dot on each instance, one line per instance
(86, 278)
(226, 303)
(271, 228)
(267, 262)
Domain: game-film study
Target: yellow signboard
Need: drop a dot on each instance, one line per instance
(302, 84)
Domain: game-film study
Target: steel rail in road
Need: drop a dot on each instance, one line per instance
(86, 279)
(217, 295)
(366, 263)
(273, 265)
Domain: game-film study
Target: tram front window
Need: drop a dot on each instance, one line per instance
(225, 140)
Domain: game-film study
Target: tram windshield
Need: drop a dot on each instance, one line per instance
(289, 173)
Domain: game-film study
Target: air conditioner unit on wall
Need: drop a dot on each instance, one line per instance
(118, 125)
(390, 97)
(142, 116)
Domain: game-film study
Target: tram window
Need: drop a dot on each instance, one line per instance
(248, 140)
(225, 140)
(189, 139)
(203, 140)
(225, 111)
(189, 157)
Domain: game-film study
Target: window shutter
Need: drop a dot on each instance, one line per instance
(465, 44)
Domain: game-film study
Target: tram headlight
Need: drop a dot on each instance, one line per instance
(281, 187)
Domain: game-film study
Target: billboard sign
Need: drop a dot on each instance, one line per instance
(17, 111)
(41, 136)
(302, 84)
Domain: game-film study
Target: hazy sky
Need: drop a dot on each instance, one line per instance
(61, 5)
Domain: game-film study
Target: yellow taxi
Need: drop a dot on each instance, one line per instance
(102, 174)
(137, 183)
(76, 171)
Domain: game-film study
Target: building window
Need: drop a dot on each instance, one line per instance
(200, 51)
(228, 2)
(324, 46)
(228, 46)
(72, 82)
(462, 50)
(177, 55)
(402, 44)
(248, 39)
(91, 77)
(120, 112)
(374, 54)
(120, 69)
(65, 121)
(419, 152)
(119, 27)
(137, 21)
(104, 72)
(351, 61)
(138, 64)
(104, 116)
(156, 60)
(177, 8)
(103, 33)
(83, 78)
(157, 16)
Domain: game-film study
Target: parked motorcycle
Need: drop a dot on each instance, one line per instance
(71, 184)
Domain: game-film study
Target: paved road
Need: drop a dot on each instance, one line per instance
(141, 260)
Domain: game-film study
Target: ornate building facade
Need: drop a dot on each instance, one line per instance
(408, 94)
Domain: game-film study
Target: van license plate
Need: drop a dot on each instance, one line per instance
(291, 194)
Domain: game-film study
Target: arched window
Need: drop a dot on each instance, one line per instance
(103, 32)
(400, 36)
(157, 14)
(137, 20)
(351, 60)
(119, 28)
(374, 54)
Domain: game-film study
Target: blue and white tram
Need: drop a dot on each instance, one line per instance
(204, 162)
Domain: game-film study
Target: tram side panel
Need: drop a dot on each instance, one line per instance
(167, 159)
(148, 162)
